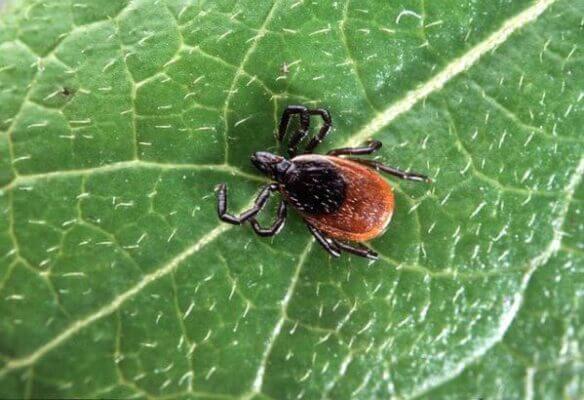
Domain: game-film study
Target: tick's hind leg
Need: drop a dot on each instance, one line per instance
(328, 244)
(334, 246)
(259, 203)
(276, 226)
(407, 175)
(371, 147)
(359, 250)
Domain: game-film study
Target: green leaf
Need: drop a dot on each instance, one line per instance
(118, 118)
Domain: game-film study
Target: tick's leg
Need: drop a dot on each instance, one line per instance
(285, 120)
(407, 175)
(276, 226)
(259, 203)
(360, 250)
(321, 238)
(372, 147)
(300, 133)
(324, 130)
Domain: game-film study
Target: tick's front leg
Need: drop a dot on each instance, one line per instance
(300, 133)
(259, 203)
(276, 226)
(326, 128)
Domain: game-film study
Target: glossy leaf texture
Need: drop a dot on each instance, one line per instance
(118, 118)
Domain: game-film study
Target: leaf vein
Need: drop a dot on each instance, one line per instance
(114, 305)
(507, 318)
(452, 70)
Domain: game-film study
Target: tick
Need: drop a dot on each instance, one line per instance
(342, 199)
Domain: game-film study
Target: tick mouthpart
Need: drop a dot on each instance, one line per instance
(270, 164)
(263, 159)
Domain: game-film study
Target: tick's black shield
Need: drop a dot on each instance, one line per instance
(315, 186)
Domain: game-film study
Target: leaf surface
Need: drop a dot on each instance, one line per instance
(118, 120)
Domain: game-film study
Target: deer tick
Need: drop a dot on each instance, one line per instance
(342, 199)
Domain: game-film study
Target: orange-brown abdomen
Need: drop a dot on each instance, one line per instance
(367, 206)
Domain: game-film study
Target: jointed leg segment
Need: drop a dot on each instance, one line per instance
(407, 175)
(302, 131)
(324, 242)
(361, 250)
(371, 147)
(326, 128)
(259, 203)
(276, 226)
(334, 247)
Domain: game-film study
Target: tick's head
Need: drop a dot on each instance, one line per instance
(270, 164)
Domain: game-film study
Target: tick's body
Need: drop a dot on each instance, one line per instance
(348, 202)
(341, 199)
